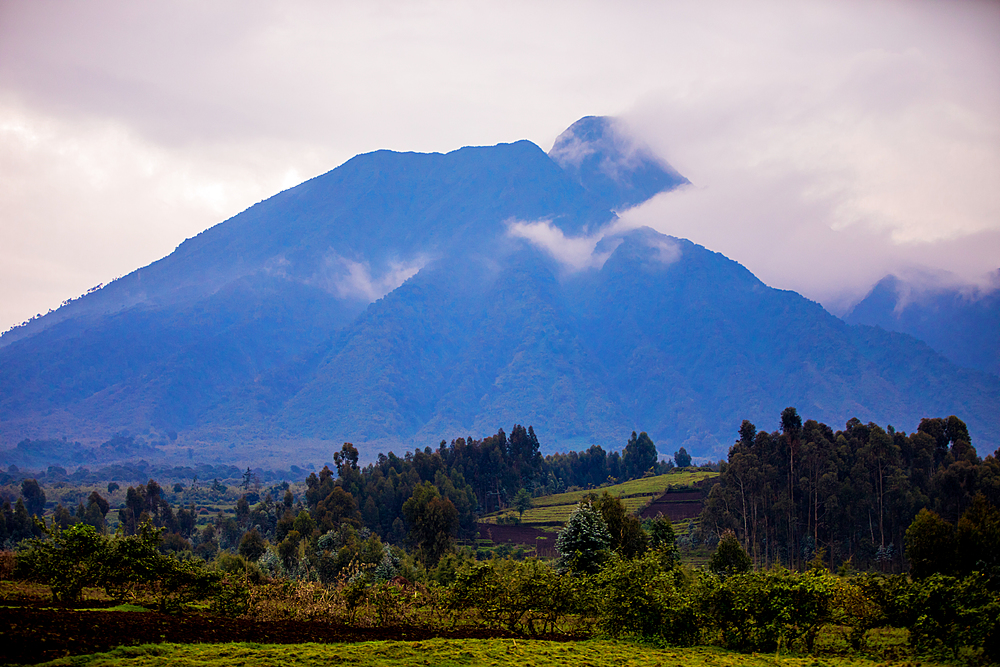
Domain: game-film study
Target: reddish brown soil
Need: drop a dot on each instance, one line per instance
(32, 634)
(675, 506)
(530, 537)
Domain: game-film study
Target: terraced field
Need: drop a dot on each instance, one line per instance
(554, 510)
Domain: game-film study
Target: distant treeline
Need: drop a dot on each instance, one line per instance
(474, 476)
(140, 472)
(852, 493)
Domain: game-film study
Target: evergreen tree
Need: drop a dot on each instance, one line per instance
(584, 543)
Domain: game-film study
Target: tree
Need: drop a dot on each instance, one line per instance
(663, 540)
(930, 545)
(252, 546)
(34, 497)
(346, 459)
(522, 502)
(681, 458)
(21, 525)
(67, 560)
(729, 557)
(584, 543)
(640, 455)
(432, 520)
(977, 537)
(627, 536)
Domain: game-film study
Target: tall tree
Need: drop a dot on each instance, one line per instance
(34, 497)
(640, 455)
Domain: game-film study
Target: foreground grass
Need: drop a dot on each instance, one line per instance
(447, 653)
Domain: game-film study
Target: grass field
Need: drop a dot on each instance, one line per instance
(448, 653)
(634, 493)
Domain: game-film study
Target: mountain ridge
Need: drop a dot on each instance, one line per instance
(388, 303)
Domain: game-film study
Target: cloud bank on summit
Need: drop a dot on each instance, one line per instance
(828, 144)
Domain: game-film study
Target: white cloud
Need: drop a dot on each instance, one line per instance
(829, 141)
(86, 201)
(573, 252)
(352, 279)
(842, 163)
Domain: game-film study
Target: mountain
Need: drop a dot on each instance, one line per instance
(962, 324)
(392, 303)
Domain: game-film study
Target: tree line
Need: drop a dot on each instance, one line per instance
(851, 493)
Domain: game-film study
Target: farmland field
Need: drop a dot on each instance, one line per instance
(555, 509)
(445, 653)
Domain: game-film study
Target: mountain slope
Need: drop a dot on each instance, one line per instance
(388, 303)
(963, 325)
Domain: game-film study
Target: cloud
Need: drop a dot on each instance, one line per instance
(573, 252)
(353, 280)
(85, 201)
(828, 169)
(591, 251)
(828, 142)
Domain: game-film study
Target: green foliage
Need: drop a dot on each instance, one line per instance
(67, 560)
(977, 538)
(640, 597)
(640, 455)
(432, 520)
(854, 491)
(252, 545)
(663, 540)
(520, 596)
(681, 458)
(584, 543)
(34, 497)
(522, 502)
(771, 609)
(930, 545)
(627, 536)
(125, 566)
(729, 557)
(947, 614)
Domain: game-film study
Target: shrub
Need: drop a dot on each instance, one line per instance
(8, 563)
(765, 610)
(729, 557)
(641, 597)
(521, 596)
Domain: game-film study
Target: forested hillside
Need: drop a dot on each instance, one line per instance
(849, 495)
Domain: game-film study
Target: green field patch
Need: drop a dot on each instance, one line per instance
(635, 494)
(120, 607)
(448, 653)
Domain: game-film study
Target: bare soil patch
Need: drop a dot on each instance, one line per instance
(543, 541)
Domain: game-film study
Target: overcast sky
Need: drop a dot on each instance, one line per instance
(828, 143)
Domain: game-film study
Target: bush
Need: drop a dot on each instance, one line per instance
(770, 609)
(641, 597)
(950, 614)
(729, 557)
(521, 596)
(69, 560)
